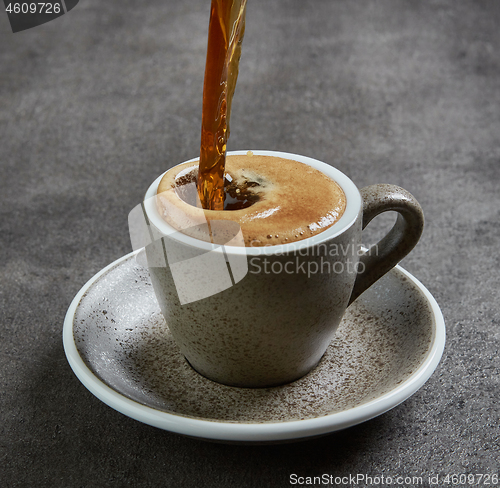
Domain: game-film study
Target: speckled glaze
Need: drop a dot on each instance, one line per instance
(274, 325)
(120, 334)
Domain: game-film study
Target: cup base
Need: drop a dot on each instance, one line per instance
(253, 384)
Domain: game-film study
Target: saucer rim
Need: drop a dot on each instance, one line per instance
(253, 431)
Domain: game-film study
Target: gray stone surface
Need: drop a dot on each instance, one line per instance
(97, 103)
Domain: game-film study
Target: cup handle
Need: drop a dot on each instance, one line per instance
(400, 240)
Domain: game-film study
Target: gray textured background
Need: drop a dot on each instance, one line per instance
(96, 104)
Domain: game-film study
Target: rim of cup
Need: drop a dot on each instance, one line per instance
(348, 218)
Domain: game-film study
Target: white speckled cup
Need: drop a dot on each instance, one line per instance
(273, 325)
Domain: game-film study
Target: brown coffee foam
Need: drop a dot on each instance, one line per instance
(296, 202)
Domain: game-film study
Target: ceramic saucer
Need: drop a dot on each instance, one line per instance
(117, 343)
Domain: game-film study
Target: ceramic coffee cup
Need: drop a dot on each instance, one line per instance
(264, 316)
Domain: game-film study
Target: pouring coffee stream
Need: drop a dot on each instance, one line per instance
(225, 36)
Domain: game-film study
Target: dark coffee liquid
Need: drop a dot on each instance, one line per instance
(236, 195)
(240, 196)
(225, 35)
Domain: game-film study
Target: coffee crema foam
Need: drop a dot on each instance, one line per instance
(288, 201)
